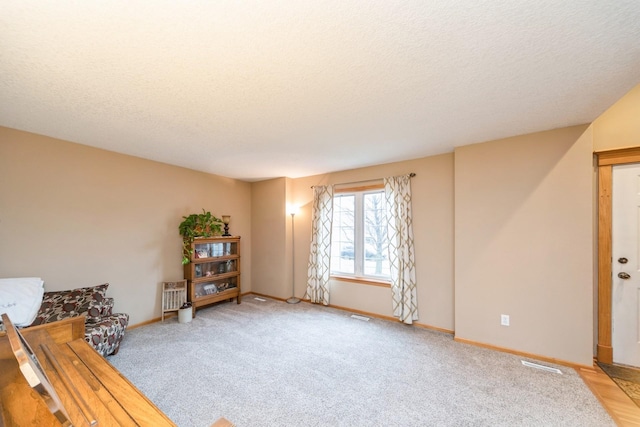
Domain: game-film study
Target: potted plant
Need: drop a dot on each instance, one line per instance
(197, 225)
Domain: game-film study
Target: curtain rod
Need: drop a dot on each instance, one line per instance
(411, 175)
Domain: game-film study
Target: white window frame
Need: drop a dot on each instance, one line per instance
(359, 239)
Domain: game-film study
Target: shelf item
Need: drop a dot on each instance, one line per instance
(213, 271)
(174, 294)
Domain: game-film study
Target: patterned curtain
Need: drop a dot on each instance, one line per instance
(320, 253)
(401, 253)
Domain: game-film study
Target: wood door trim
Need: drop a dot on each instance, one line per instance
(604, 350)
(619, 156)
(606, 161)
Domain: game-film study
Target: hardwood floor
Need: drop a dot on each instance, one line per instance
(621, 408)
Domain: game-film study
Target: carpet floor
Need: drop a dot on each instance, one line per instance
(628, 379)
(268, 363)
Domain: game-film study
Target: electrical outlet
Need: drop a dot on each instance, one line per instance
(504, 319)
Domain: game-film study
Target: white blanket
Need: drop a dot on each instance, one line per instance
(20, 298)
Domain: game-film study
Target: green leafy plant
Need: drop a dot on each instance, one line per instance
(197, 225)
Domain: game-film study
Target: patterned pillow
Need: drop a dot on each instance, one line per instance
(58, 305)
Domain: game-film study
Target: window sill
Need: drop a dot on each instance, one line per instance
(361, 281)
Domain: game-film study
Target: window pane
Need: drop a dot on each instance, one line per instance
(359, 235)
(343, 235)
(376, 262)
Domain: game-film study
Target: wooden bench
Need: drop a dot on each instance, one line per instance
(86, 384)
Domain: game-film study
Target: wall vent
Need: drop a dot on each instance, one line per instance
(541, 367)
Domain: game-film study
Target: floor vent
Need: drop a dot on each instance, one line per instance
(259, 299)
(541, 367)
(355, 316)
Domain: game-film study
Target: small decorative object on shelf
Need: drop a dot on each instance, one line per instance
(226, 219)
(174, 295)
(215, 277)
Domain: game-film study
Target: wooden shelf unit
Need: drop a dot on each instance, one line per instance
(213, 273)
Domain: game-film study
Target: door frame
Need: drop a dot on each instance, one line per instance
(606, 160)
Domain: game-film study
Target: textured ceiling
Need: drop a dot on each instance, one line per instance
(260, 89)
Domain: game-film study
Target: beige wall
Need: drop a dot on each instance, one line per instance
(268, 222)
(523, 243)
(432, 189)
(619, 126)
(79, 216)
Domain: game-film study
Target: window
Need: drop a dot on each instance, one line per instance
(359, 235)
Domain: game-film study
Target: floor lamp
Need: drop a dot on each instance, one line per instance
(293, 299)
